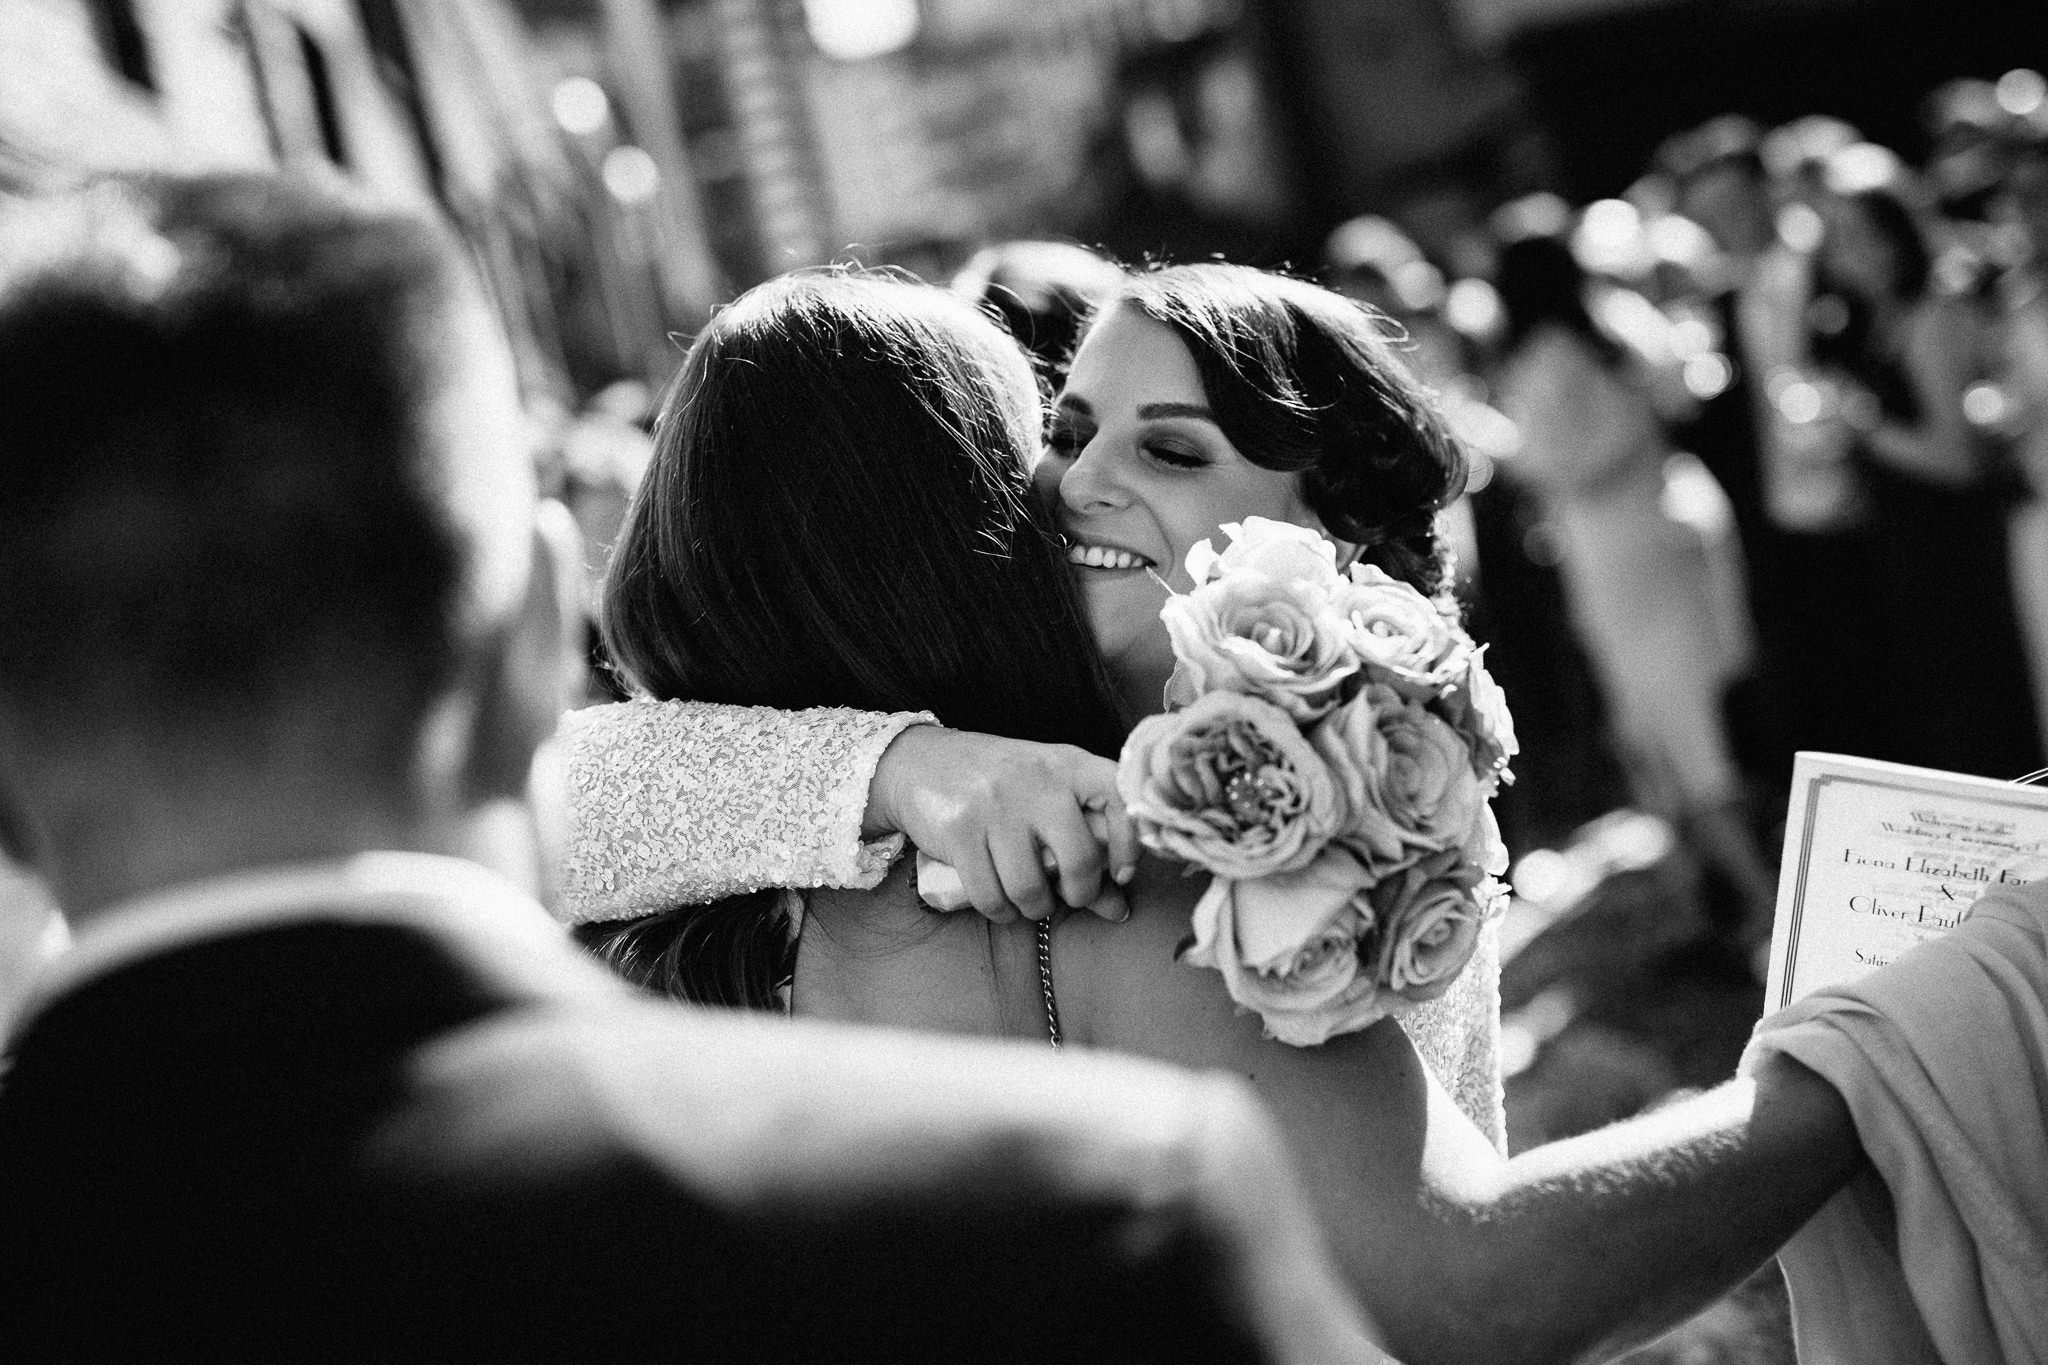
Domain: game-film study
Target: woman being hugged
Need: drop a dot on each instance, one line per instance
(1209, 394)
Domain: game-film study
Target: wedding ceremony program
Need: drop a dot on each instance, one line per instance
(1880, 857)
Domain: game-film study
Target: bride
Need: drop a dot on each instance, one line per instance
(837, 517)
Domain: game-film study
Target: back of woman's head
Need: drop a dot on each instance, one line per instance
(838, 514)
(1304, 380)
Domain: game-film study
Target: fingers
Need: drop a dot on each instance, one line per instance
(999, 810)
(1122, 837)
(1076, 850)
(983, 886)
(1094, 789)
(1077, 854)
(1014, 852)
(1111, 905)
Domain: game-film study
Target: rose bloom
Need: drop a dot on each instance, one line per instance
(1429, 917)
(1230, 785)
(1399, 634)
(1288, 948)
(1272, 638)
(1406, 777)
(1478, 709)
(1276, 549)
(1485, 849)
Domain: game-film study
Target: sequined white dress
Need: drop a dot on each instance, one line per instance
(681, 802)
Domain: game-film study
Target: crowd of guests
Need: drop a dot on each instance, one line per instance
(1765, 434)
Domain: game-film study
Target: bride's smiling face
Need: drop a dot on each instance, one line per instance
(1142, 473)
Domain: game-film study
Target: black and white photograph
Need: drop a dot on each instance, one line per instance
(1295, 681)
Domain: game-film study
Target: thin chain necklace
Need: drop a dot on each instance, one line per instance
(1052, 1009)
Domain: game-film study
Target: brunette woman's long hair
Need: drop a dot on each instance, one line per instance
(839, 513)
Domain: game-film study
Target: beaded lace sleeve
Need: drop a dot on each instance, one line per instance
(1458, 1037)
(684, 802)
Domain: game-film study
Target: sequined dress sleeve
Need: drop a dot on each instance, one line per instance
(1457, 1036)
(684, 802)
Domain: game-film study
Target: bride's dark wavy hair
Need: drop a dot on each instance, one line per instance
(838, 513)
(1304, 380)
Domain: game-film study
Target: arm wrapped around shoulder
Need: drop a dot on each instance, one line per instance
(681, 803)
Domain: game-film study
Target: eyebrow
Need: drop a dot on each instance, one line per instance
(1195, 410)
(1149, 412)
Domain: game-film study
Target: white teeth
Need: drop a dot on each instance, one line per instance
(1104, 557)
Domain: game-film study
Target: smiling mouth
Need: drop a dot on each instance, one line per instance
(1104, 557)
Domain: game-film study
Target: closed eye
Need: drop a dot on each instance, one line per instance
(1176, 455)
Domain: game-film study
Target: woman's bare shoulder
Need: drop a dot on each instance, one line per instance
(879, 957)
(1123, 986)
(1368, 1127)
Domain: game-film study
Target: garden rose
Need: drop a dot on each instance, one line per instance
(1478, 709)
(1399, 634)
(1276, 639)
(1229, 784)
(1406, 778)
(1429, 917)
(1274, 549)
(1288, 947)
(1486, 850)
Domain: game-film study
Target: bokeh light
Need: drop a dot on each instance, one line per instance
(1609, 238)
(1707, 375)
(1473, 307)
(630, 175)
(857, 30)
(1800, 402)
(1986, 405)
(2021, 92)
(580, 106)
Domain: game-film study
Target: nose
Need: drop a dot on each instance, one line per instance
(1088, 481)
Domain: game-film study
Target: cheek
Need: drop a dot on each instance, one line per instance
(1250, 492)
(1117, 614)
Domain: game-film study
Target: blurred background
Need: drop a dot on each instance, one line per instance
(1740, 305)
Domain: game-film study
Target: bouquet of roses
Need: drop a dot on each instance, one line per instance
(1333, 743)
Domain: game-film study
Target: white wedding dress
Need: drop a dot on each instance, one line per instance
(684, 802)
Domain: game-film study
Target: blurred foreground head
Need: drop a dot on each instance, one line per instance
(265, 507)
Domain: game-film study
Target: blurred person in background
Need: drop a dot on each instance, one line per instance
(1901, 352)
(1718, 181)
(1042, 292)
(2019, 363)
(1372, 261)
(591, 463)
(1795, 504)
(1650, 564)
(1506, 580)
